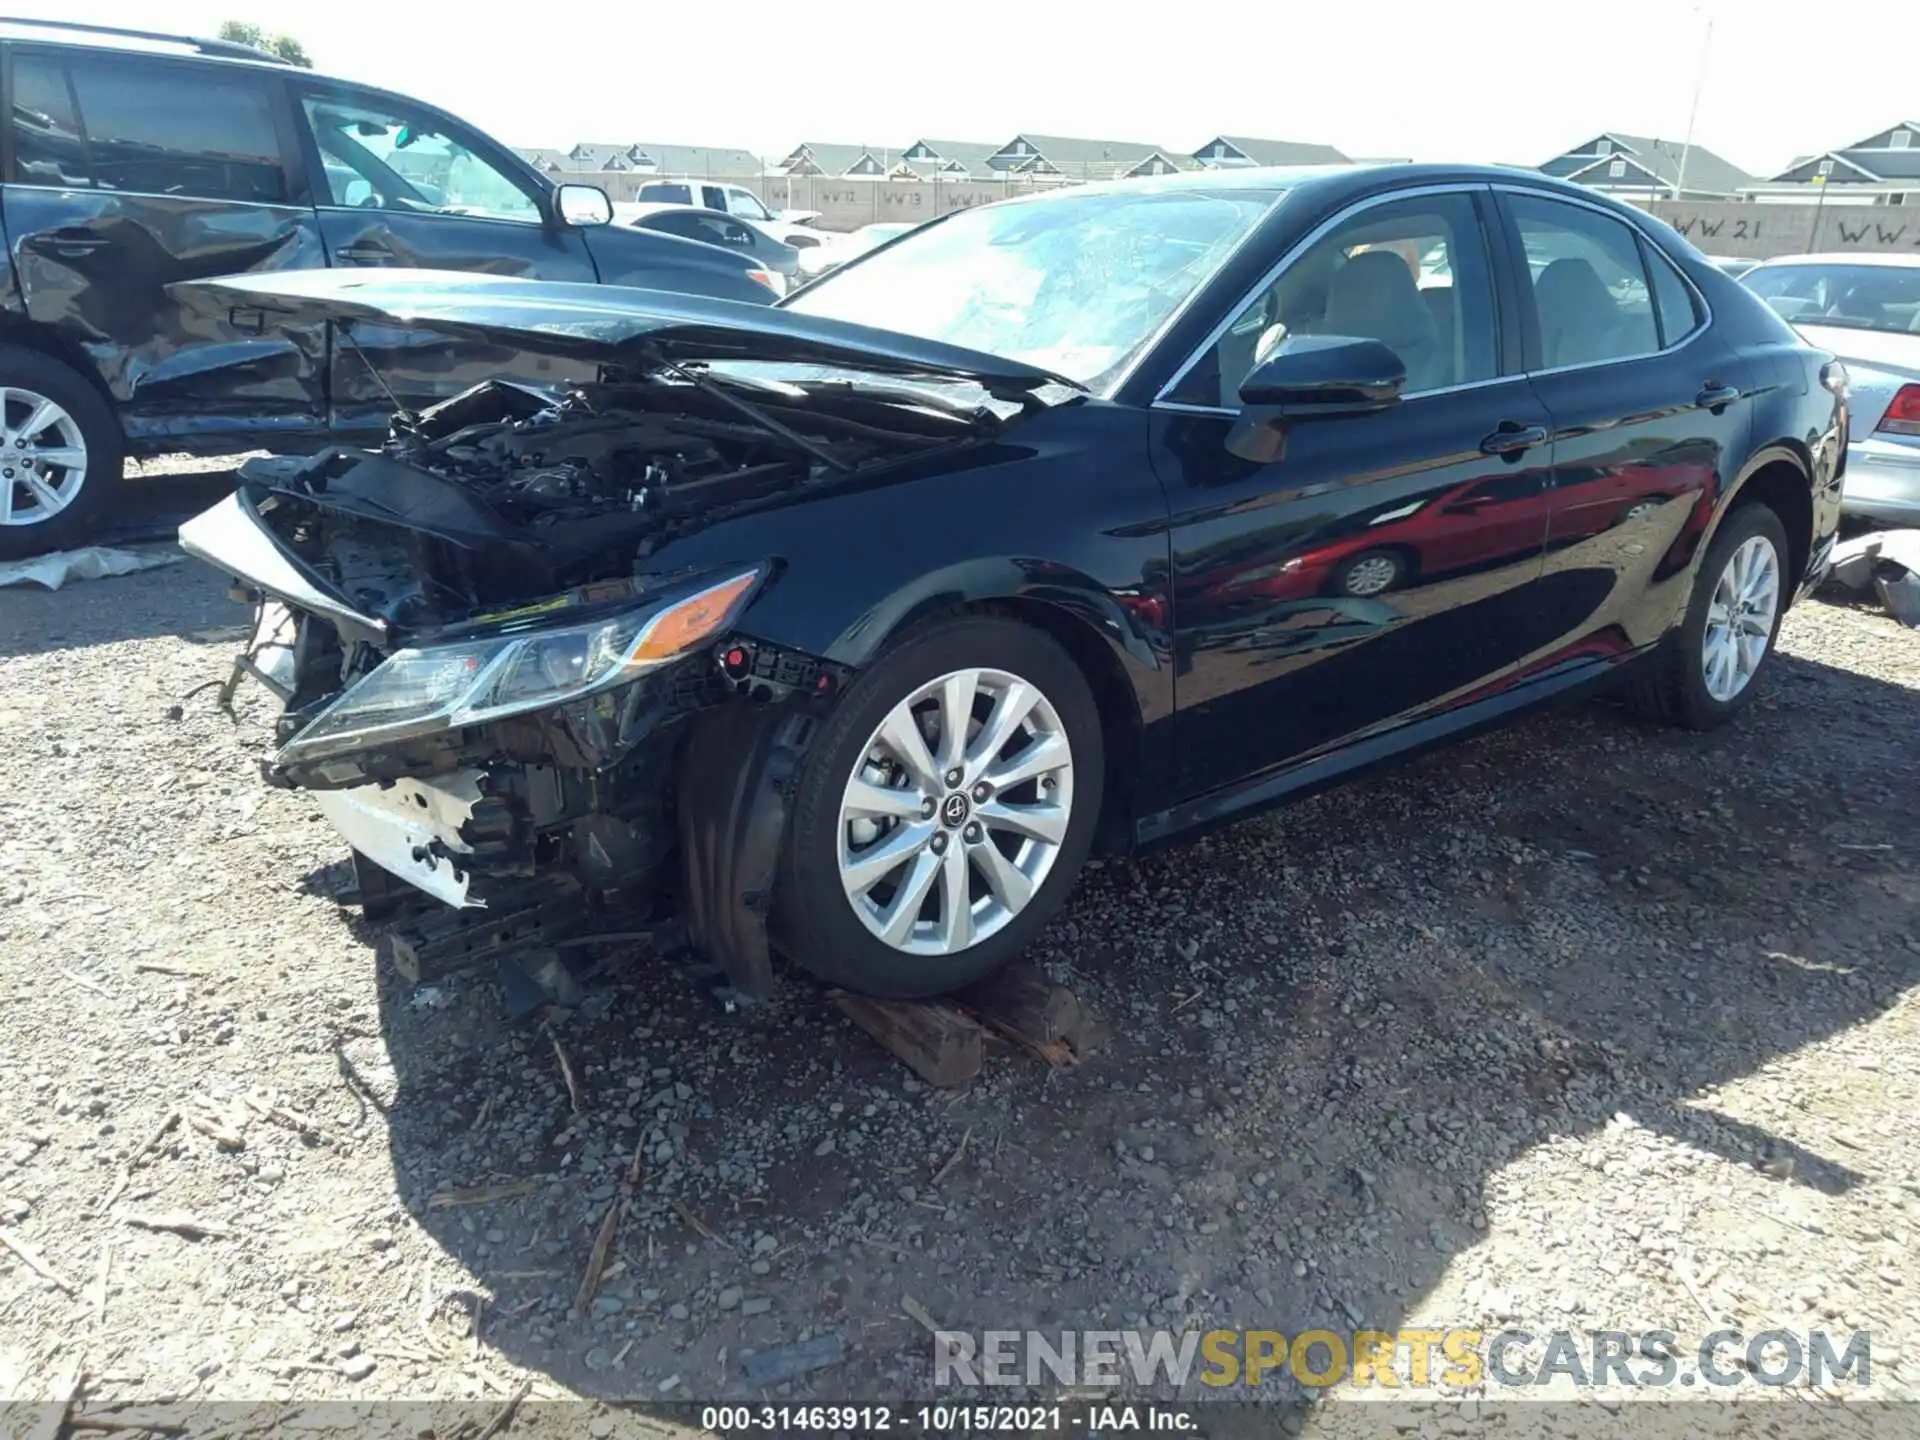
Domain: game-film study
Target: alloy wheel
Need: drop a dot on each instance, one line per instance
(1740, 616)
(955, 812)
(43, 457)
(1372, 575)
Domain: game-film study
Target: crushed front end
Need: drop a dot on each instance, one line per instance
(498, 696)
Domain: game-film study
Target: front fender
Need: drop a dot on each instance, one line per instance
(1063, 515)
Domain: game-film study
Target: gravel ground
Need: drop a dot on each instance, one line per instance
(1583, 1025)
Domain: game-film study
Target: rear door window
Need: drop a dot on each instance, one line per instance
(1589, 283)
(1673, 302)
(48, 148)
(200, 131)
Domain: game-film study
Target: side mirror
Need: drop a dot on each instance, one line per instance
(581, 206)
(1318, 376)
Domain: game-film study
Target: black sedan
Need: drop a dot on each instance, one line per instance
(781, 263)
(849, 627)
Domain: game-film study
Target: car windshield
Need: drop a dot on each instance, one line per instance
(1857, 297)
(1075, 283)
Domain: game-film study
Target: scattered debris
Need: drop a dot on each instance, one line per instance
(609, 1228)
(218, 1131)
(953, 1159)
(696, 1222)
(485, 1194)
(126, 1422)
(1885, 562)
(566, 1072)
(125, 1178)
(268, 1109)
(92, 562)
(503, 1417)
(31, 1258)
(97, 1296)
(784, 1362)
(53, 1414)
(179, 972)
(179, 1223)
(917, 1313)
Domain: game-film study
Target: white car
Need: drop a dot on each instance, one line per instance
(1866, 309)
(843, 247)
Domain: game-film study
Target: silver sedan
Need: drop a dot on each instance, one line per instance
(1866, 309)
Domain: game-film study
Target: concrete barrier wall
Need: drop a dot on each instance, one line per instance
(843, 204)
(1761, 232)
(1729, 227)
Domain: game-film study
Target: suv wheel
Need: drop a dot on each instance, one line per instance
(60, 454)
(944, 811)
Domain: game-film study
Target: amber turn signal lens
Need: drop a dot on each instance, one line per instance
(687, 622)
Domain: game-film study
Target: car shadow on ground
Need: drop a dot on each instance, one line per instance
(1334, 1029)
(182, 599)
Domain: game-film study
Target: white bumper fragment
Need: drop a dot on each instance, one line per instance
(394, 826)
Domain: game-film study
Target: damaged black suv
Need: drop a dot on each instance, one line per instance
(847, 627)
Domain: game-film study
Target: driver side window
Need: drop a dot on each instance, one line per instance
(373, 159)
(1412, 274)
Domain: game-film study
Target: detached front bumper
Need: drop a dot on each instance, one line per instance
(1883, 481)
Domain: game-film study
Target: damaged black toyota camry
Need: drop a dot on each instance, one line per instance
(846, 629)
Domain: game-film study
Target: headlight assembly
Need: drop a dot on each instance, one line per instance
(489, 677)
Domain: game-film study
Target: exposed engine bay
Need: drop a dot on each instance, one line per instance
(485, 681)
(501, 494)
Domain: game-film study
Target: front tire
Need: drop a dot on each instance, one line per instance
(1709, 669)
(61, 455)
(1370, 573)
(944, 811)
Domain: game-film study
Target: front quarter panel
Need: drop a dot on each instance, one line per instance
(1063, 511)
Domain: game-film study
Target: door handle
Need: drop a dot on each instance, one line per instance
(1511, 439)
(1715, 396)
(363, 254)
(71, 244)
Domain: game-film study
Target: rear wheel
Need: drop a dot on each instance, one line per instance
(944, 811)
(61, 454)
(1708, 670)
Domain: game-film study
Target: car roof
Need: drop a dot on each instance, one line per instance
(1332, 182)
(1836, 257)
(114, 40)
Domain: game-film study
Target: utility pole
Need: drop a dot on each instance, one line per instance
(1693, 113)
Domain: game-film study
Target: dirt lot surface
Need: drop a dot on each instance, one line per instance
(1582, 1025)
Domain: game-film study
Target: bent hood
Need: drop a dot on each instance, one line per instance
(602, 323)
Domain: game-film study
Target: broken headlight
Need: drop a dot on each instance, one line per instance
(487, 677)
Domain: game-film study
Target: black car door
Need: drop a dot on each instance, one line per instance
(129, 172)
(399, 184)
(1647, 404)
(1335, 576)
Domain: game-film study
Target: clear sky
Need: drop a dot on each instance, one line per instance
(1491, 80)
